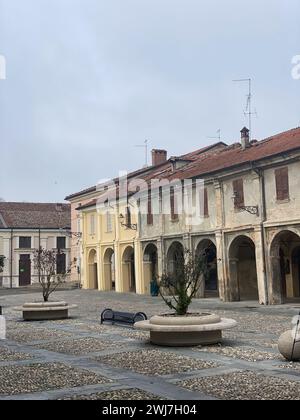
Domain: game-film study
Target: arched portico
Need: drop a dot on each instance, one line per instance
(175, 256)
(109, 269)
(284, 267)
(92, 270)
(150, 268)
(209, 286)
(242, 269)
(128, 270)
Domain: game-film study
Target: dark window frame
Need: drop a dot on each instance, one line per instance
(25, 242)
(282, 184)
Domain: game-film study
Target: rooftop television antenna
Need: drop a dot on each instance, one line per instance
(218, 136)
(248, 112)
(145, 145)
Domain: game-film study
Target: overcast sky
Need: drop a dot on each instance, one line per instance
(87, 80)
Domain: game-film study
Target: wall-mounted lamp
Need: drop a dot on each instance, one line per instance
(250, 209)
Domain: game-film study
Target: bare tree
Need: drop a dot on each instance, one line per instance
(179, 287)
(45, 262)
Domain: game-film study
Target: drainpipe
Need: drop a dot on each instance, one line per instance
(11, 257)
(263, 220)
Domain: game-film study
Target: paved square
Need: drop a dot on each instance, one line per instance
(80, 359)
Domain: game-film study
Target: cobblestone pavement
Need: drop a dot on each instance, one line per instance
(80, 359)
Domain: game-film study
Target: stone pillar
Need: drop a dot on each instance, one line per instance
(233, 292)
(160, 258)
(275, 294)
(101, 280)
(118, 268)
(221, 266)
(138, 266)
(260, 267)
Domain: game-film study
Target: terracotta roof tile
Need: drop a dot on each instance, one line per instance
(35, 215)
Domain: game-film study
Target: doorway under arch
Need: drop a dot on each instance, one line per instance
(150, 269)
(242, 269)
(210, 286)
(285, 266)
(109, 269)
(92, 270)
(128, 270)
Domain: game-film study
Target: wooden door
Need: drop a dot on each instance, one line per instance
(24, 270)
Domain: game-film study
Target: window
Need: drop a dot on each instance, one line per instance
(128, 217)
(238, 191)
(108, 222)
(149, 210)
(173, 204)
(78, 225)
(204, 205)
(61, 263)
(92, 225)
(61, 242)
(25, 242)
(282, 184)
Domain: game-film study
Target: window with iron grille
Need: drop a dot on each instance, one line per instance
(24, 242)
(61, 242)
(282, 184)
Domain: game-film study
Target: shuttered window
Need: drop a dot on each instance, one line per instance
(238, 190)
(205, 208)
(109, 227)
(173, 204)
(128, 217)
(282, 184)
(61, 242)
(149, 210)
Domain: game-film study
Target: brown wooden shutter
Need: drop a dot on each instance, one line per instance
(173, 204)
(238, 189)
(282, 184)
(149, 212)
(205, 210)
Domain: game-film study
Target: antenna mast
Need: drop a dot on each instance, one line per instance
(248, 111)
(218, 135)
(145, 146)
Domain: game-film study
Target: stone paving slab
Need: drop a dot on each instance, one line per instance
(92, 361)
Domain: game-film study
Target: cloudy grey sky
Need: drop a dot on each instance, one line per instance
(87, 80)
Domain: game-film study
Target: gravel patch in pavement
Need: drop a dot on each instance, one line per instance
(247, 354)
(245, 385)
(7, 355)
(44, 377)
(39, 334)
(78, 347)
(155, 362)
(290, 366)
(121, 394)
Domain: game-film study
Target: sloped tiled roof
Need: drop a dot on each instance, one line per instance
(148, 172)
(35, 215)
(235, 155)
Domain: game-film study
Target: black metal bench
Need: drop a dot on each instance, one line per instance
(122, 318)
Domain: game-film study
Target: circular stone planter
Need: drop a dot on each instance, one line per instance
(45, 311)
(287, 346)
(185, 331)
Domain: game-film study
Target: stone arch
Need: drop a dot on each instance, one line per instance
(210, 285)
(92, 270)
(175, 256)
(150, 267)
(242, 269)
(284, 266)
(128, 270)
(109, 269)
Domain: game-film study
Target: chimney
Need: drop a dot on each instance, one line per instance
(159, 156)
(245, 138)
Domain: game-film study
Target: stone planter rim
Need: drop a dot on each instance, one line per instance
(193, 319)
